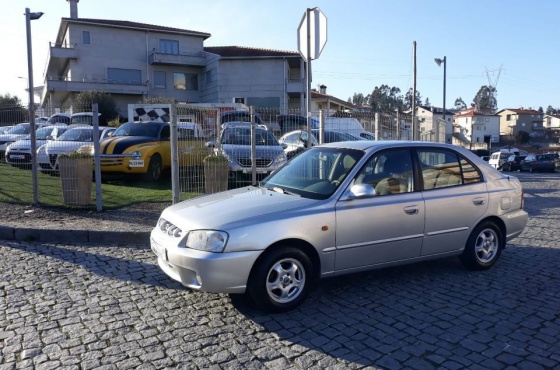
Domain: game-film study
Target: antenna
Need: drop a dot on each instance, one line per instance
(493, 83)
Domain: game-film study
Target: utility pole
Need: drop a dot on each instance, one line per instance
(414, 124)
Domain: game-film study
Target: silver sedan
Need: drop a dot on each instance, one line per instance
(336, 209)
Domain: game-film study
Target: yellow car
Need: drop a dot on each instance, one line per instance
(144, 148)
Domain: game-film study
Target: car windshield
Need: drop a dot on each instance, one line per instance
(335, 136)
(20, 129)
(137, 129)
(315, 173)
(242, 136)
(43, 133)
(84, 119)
(77, 134)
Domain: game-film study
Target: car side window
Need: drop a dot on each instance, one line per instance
(389, 172)
(444, 168)
(165, 132)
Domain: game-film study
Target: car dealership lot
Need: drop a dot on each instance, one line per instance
(71, 305)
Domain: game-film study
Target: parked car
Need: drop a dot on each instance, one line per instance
(69, 141)
(19, 131)
(538, 162)
(18, 154)
(144, 148)
(239, 116)
(336, 209)
(513, 163)
(60, 118)
(4, 129)
(499, 157)
(292, 122)
(235, 141)
(296, 141)
(86, 118)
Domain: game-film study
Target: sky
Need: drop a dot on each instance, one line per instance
(507, 44)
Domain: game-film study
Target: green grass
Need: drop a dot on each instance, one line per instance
(16, 187)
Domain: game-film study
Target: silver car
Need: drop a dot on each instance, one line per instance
(341, 208)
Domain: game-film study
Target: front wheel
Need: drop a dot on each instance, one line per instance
(154, 169)
(483, 247)
(281, 281)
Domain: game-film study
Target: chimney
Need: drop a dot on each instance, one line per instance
(323, 89)
(73, 8)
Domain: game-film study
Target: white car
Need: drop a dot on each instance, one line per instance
(71, 140)
(19, 131)
(18, 154)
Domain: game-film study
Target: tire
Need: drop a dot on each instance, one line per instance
(483, 247)
(155, 169)
(505, 168)
(281, 281)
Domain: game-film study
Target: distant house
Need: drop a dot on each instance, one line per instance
(133, 61)
(430, 124)
(551, 122)
(514, 121)
(474, 129)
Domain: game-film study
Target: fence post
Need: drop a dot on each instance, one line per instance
(97, 157)
(376, 123)
(175, 189)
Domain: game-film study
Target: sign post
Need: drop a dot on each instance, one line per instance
(312, 37)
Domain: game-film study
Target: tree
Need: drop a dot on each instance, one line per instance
(106, 104)
(407, 101)
(460, 104)
(385, 99)
(485, 99)
(550, 110)
(427, 102)
(11, 110)
(541, 110)
(358, 99)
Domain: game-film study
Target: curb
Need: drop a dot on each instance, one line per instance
(74, 236)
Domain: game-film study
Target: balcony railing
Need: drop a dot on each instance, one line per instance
(193, 59)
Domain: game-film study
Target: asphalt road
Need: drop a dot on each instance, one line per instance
(85, 306)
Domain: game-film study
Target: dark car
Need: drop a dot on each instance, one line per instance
(239, 116)
(538, 162)
(513, 163)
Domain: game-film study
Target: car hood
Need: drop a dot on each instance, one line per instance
(262, 151)
(119, 144)
(12, 137)
(237, 205)
(26, 144)
(60, 146)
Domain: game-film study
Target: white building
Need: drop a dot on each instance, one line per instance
(475, 129)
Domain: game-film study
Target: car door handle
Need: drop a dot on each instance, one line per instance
(411, 210)
(479, 201)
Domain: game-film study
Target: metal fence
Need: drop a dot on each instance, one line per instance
(199, 135)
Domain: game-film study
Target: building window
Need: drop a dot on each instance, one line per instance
(185, 81)
(160, 80)
(124, 76)
(169, 46)
(209, 76)
(85, 38)
(508, 117)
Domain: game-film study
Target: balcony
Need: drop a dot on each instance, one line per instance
(194, 59)
(295, 86)
(59, 54)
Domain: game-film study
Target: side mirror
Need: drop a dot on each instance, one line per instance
(210, 144)
(361, 191)
(284, 145)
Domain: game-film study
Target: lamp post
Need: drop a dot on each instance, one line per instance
(439, 62)
(28, 18)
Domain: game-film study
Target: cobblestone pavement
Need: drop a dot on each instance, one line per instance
(72, 306)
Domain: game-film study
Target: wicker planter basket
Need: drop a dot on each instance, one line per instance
(76, 175)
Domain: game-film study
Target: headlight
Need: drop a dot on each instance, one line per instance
(207, 240)
(281, 159)
(86, 149)
(134, 155)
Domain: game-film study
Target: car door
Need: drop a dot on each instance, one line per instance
(383, 228)
(455, 198)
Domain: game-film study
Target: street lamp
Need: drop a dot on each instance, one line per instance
(28, 18)
(439, 62)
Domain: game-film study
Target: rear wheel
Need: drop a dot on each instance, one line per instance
(282, 280)
(154, 169)
(483, 247)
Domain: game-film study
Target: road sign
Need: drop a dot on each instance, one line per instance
(317, 33)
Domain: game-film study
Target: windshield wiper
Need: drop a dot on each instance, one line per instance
(278, 189)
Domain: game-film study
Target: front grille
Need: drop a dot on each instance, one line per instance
(112, 161)
(168, 228)
(260, 162)
(52, 159)
(26, 157)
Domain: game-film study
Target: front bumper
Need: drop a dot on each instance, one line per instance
(205, 271)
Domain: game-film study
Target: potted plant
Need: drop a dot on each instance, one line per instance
(76, 175)
(216, 169)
